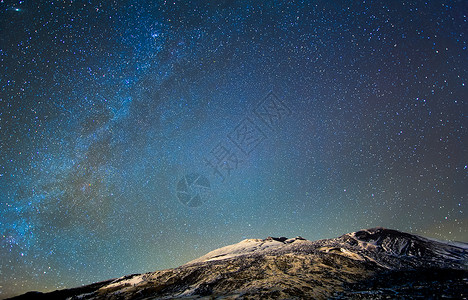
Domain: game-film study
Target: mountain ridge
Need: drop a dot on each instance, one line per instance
(354, 265)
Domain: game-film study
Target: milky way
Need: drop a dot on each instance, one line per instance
(139, 135)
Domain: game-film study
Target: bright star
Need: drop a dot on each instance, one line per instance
(15, 9)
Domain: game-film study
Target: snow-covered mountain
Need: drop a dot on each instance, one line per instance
(375, 263)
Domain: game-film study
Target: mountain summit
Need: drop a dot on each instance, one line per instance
(375, 263)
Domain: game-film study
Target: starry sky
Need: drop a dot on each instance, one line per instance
(139, 135)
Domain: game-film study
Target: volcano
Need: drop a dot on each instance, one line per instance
(375, 263)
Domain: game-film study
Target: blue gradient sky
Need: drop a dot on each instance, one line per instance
(106, 107)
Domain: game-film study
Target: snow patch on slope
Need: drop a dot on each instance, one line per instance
(132, 281)
(248, 246)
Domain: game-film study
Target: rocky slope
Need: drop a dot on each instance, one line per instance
(369, 264)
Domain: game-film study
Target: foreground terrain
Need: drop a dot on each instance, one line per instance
(376, 263)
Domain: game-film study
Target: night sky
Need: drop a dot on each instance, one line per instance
(138, 135)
